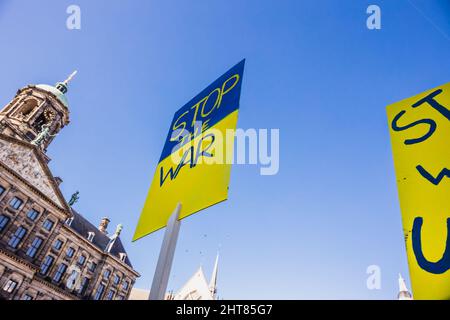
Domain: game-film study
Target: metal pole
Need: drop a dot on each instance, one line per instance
(161, 277)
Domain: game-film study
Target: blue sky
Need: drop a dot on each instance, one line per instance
(313, 70)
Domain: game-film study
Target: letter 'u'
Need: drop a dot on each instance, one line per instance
(438, 267)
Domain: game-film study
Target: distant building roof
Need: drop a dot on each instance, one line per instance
(82, 226)
(61, 96)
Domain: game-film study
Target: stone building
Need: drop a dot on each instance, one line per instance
(47, 249)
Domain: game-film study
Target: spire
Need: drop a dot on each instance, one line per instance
(404, 293)
(213, 282)
(66, 82)
(401, 283)
(62, 86)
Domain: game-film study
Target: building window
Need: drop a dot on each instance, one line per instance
(72, 280)
(70, 252)
(34, 247)
(69, 221)
(28, 107)
(125, 285)
(17, 237)
(84, 285)
(58, 244)
(33, 215)
(39, 122)
(91, 236)
(122, 256)
(10, 286)
(81, 260)
(60, 272)
(116, 279)
(15, 203)
(48, 225)
(99, 293)
(27, 297)
(30, 135)
(106, 274)
(110, 295)
(4, 220)
(2, 190)
(121, 297)
(92, 266)
(46, 265)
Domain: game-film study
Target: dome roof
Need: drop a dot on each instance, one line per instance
(61, 96)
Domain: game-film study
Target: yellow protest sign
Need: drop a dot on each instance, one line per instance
(194, 168)
(420, 133)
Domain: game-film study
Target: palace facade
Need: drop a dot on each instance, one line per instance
(47, 249)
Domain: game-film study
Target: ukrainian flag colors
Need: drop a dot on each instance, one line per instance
(194, 168)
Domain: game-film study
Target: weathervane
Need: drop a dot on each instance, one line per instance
(66, 82)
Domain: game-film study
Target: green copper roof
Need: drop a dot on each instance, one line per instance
(61, 96)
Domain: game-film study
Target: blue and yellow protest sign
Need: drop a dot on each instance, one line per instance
(195, 165)
(420, 133)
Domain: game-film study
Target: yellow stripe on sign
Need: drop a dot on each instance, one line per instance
(197, 175)
(420, 132)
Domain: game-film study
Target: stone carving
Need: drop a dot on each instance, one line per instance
(23, 161)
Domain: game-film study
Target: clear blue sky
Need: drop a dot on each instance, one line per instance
(313, 70)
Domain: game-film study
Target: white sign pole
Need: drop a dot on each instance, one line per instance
(161, 277)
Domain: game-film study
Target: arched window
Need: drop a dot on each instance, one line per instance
(28, 107)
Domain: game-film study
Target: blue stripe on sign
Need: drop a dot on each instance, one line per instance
(209, 107)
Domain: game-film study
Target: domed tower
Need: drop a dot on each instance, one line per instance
(37, 113)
